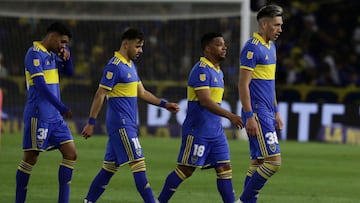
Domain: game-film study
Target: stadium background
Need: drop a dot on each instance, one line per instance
(318, 73)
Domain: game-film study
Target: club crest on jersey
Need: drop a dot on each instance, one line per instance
(249, 55)
(40, 143)
(272, 147)
(36, 62)
(194, 159)
(138, 152)
(109, 75)
(202, 77)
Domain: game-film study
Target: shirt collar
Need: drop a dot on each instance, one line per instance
(211, 65)
(261, 39)
(41, 47)
(122, 59)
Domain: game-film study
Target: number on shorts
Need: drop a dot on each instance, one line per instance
(136, 143)
(271, 138)
(199, 150)
(42, 133)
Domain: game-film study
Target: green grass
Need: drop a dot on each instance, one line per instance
(311, 172)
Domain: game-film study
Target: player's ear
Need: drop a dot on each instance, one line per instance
(125, 43)
(207, 48)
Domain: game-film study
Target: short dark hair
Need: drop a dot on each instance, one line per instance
(269, 11)
(207, 38)
(132, 33)
(59, 28)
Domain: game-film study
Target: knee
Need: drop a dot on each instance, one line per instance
(70, 156)
(268, 168)
(186, 171)
(224, 171)
(31, 157)
(111, 167)
(223, 167)
(138, 166)
(68, 151)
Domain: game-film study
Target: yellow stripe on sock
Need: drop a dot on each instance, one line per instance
(25, 167)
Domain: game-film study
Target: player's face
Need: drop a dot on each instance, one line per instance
(218, 48)
(272, 28)
(135, 48)
(58, 42)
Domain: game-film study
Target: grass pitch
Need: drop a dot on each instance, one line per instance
(311, 173)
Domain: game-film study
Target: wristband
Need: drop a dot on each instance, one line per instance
(163, 103)
(92, 121)
(248, 114)
(276, 109)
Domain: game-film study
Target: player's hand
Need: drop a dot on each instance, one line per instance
(87, 131)
(64, 54)
(172, 107)
(236, 121)
(68, 114)
(252, 128)
(279, 123)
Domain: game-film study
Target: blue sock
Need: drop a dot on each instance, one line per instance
(252, 188)
(253, 199)
(98, 185)
(247, 179)
(143, 186)
(258, 180)
(64, 177)
(172, 182)
(226, 190)
(252, 169)
(22, 180)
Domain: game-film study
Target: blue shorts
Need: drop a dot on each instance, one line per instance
(197, 151)
(123, 147)
(266, 144)
(43, 136)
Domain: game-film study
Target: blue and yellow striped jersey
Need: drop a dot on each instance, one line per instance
(121, 79)
(204, 75)
(41, 62)
(260, 57)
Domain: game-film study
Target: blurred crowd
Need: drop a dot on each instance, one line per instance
(320, 44)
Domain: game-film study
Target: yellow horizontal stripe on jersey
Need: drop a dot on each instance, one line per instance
(105, 87)
(265, 72)
(191, 92)
(29, 80)
(50, 77)
(246, 68)
(124, 90)
(215, 92)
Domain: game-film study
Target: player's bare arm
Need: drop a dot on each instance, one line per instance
(96, 105)
(152, 99)
(245, 76)
(206, 101)
(279, 123)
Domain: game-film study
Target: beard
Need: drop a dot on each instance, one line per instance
(220, 58)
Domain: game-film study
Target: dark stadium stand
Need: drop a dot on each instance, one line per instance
(352, 97)
(288, 95)
(322, 96)
(174, 93)
(78, 97)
